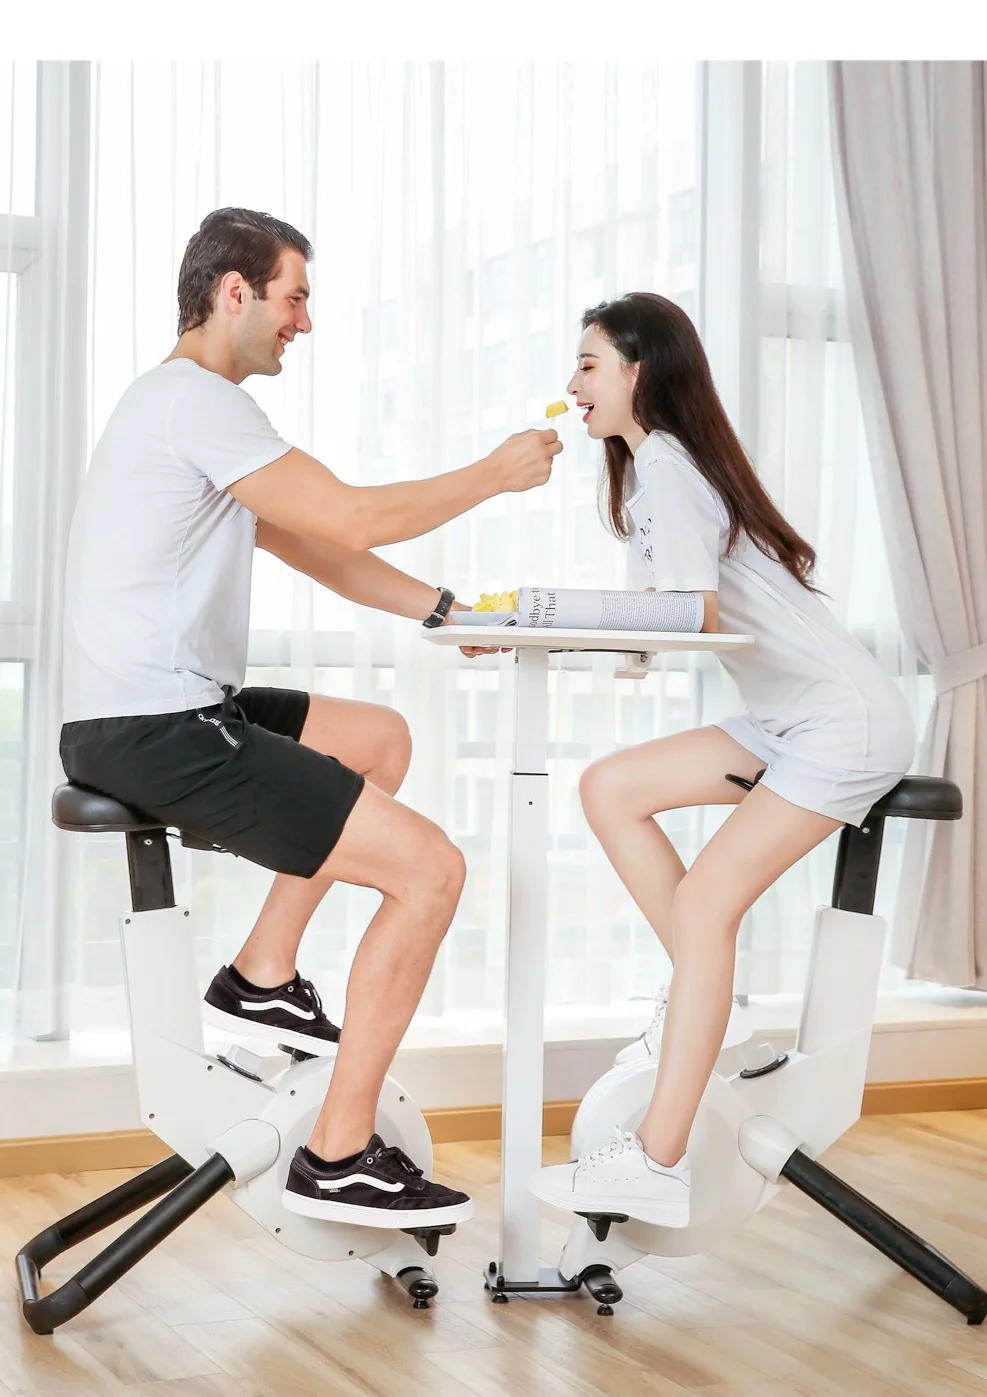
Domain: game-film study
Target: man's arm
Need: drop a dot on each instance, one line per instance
(359, 577)
(299, 495)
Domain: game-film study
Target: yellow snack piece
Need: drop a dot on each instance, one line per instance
(556, 409)
(496, 601)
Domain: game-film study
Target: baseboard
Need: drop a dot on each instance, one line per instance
(461, 1123)
(449, 1125)
(137, 1149)
(903, 1098)
(72, 1154)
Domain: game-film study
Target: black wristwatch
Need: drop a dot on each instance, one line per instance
(446, 599)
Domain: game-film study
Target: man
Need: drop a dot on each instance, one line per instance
(188, 477)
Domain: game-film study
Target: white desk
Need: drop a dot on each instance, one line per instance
(523, 1089)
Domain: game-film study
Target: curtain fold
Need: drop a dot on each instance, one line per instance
(912, 181)
(48, 450)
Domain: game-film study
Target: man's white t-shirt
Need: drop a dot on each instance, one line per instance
(157, 594)
(806, 681)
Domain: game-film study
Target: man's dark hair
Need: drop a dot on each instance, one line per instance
(232, 240)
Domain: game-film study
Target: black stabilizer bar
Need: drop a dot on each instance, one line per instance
(185, 1190)
(889, 1236)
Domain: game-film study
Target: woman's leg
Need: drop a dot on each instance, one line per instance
(763, 837)
(621, 793)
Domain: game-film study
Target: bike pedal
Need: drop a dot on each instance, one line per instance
(296, 1054)
(600, 1223)
(428, 1237)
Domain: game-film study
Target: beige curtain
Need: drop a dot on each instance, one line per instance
(912, 190)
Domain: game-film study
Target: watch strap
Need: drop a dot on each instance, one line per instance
(445, 601)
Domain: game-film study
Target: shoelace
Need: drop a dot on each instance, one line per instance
(394, 1154)
(398, 1155)
(307, 991)
(661, 1005)
(620, 1143)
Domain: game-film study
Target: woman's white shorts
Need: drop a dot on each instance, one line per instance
(838, 792)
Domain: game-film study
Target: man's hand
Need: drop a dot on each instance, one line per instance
(525, 459)
(471, 651)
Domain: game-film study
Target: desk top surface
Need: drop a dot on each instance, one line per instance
(555, 638)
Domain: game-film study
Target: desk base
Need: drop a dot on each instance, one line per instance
(598, 1280)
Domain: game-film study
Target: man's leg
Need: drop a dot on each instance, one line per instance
(367, 737)
(420, 874)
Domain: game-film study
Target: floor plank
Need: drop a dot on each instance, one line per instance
(793, 1306)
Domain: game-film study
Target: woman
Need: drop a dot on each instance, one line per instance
(825, 733)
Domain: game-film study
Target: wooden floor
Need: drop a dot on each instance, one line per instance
(795, 1305)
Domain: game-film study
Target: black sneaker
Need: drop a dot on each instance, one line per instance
(290, 1014)
(380, 1187)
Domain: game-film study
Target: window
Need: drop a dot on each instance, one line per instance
(12, 745)
(9, 539)
(682, 228)
(18, 171)
(20, 241)
(467, 388)
(542, 272)
(493, 376)
(587, 536)
(543, 376)
(496, 286)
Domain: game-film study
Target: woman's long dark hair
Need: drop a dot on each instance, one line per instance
(674, 393)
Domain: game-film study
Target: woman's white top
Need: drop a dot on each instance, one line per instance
(806, 681)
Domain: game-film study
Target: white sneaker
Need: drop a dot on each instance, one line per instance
(738, 1030)
(619, 1178)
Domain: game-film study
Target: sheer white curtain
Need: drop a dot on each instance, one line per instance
(782, 356)
(463, 218)
(43, 216)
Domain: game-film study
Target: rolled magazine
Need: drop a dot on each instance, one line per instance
(589, 609)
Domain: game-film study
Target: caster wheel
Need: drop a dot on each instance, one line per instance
(601, 1285)
(420, 1286)
(491, 1275)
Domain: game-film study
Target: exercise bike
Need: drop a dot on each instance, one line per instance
(229, 1128)
(767, 1122)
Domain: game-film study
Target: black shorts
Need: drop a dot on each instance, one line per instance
(234, 774)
